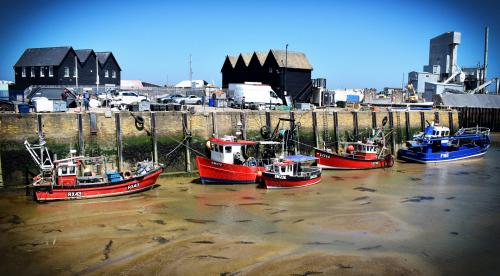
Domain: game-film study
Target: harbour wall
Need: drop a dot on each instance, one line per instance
(125, 139)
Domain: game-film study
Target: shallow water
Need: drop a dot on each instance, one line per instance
(411, 219)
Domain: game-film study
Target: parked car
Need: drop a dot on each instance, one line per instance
(169, 98)
(191, 99)
(124, 98)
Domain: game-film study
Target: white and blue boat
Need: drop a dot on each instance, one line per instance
(435, 145)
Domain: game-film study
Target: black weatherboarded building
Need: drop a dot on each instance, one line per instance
(290, 71)
(62, 66)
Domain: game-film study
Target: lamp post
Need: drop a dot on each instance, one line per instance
(286, 65)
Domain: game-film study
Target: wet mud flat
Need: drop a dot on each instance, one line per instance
(409, 220)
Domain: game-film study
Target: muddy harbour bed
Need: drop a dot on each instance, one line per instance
(408, 220)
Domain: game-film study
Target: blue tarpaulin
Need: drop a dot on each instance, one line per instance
(300, 158)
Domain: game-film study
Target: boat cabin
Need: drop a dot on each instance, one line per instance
(362, 151)
(436, 131)
(229, 150)
(67, 173)
(283, 168)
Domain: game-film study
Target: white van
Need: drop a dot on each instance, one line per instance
(253, 94)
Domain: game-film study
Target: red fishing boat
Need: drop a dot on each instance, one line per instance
(357, 155)
(229, 162)
(291, 173)
(71, 178)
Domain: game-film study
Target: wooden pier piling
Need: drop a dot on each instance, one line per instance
(187, 144)
(355, 124)
(407, 125)
(154, 137)
(315, 129)
(119, 142)
(336, 130)
(81, 142)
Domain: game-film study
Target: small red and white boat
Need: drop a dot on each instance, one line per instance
(70, 178)
(290, 173)
(228, 163)
(357, 155)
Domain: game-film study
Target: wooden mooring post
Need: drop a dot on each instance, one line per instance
(407, 125)
(393, 132)
(268, 120)
(81, 142)
(336, 130)
(450, 122)
(243, 120)
(39, 124)
(374, 119)
(154, 137)
(422, 120)
(187, 145)
(214, 124)
(355, 124)
(292, 126)
(436, 117)
(315, 129)
(119, 142)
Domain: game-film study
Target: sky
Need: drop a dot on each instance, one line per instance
(353, 44)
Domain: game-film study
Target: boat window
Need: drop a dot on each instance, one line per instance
(221, 148)
(72, 170)
(215, 148)
(64, 170)
(283, 169)
(228, 149)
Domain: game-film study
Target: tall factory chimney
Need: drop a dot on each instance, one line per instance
(485, 64)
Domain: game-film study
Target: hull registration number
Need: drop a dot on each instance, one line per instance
(132, 186)
(74, 194)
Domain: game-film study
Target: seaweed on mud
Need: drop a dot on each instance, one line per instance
(159, 221)
(51, 230)
(101, 225)
(229, 273)
(364, 189)
(270, 232)
(370, 247)
(248, 197)
(276, 220)
(462, 173)
(107, 249)
(360, 198)
(317, 243)
(415, 178)
(212, 256)
(216, 205)
(450, 197)
(279, 211)
(231, 189)
(243, 220)
(307, 273)
(338, 178)
(289, 194)
(202, 221)
(160, 239)
(204, 242)
(343, 266)
(245, 242)
(418, 199)
(183, 189)
(297, 221)
(254, 203)
(15, 219)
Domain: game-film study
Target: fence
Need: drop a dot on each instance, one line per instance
(475, 116)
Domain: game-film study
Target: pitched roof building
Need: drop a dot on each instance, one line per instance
(65, 66)
(283, 71)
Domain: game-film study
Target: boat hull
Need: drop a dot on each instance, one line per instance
(441, 157)
(123, 187)
(328, 160)
(223, 173)
(273, 181)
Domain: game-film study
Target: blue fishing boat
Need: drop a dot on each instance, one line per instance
(435, 145)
